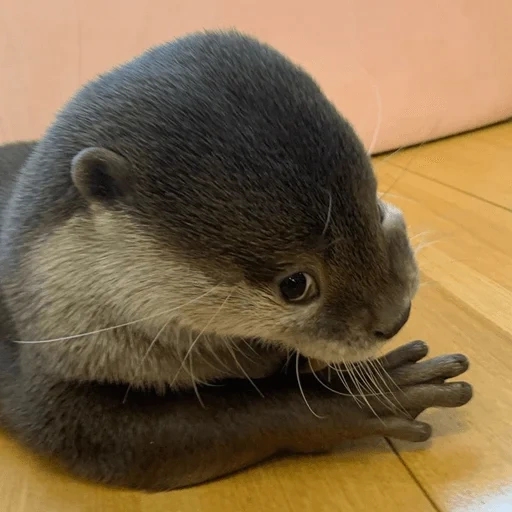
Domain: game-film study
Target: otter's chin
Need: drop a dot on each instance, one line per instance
(321, 359)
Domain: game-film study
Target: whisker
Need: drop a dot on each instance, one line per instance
(325, 385)
(379, 104)
(329, 376)
(199, 336)
(251, 348)
(393, 183)
(297, 372)
(360, 370)
(144, 357)
(288, 360)
(405, 169)
(379, 370)
(211, 350)
(242, 369)
(366, 369)
(380, 160)
(235, 346)
(79, 41)
(217, 370)
(424, 245)
(417, 235)
(194, 382)
(334, 242)
(126, 324)
(402, 198)
(365, 386)
(190, 372)
(379, 119)
(341, 376)
(329, 212)
(351, 394)
(378, 362)
(350, 369)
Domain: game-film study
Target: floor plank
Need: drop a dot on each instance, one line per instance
(353, 479)
(465, 306)
(477, 163)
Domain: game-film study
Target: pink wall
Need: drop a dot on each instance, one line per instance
(435, 67)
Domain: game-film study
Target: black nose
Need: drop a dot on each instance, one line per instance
(388, 334)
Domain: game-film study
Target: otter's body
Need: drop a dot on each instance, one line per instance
(194, 227)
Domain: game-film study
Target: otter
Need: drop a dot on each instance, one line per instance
(195, 229)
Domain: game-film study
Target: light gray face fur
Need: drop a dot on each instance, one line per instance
(227, 170)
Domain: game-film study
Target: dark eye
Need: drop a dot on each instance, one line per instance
(297, 287)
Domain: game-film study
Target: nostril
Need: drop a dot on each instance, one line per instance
(380, 335)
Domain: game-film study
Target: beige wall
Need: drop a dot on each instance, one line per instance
(439, 66)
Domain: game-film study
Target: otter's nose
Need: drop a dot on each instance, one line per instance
(387, 334)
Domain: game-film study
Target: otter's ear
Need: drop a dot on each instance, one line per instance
(101, 175)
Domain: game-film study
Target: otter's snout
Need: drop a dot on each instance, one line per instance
(395, 328)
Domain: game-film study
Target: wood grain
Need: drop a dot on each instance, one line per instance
(478, 164)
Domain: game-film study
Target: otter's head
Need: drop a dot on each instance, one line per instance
(230, 193)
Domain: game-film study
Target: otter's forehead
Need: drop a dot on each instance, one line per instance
(212, 97)
(235, 150)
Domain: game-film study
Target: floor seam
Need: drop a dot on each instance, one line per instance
(439, 182)
(413, 476)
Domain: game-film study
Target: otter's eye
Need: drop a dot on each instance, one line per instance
(297, 287)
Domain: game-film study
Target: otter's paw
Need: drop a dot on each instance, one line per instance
(393, 414)
(400, 386)
(404, 366)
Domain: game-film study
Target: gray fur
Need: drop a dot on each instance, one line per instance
(222, 167)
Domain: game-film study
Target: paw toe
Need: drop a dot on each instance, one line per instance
(464, 393)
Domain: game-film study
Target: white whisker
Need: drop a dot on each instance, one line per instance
(376, 374)
(325, 385)
(212, 351)
(194, 382)
(353, 375)
(424, 245)
(234, 346)
(380, 370)
(329, 213)
(144, 357)
(251, 348)
(199, 336)
(105, 329)
(381, 160)
(417, 235)
(379, 119)
(341, 376)
(253, 384)
(297, 372)
(288, 360)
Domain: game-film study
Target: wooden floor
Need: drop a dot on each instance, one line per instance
(457, 196)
